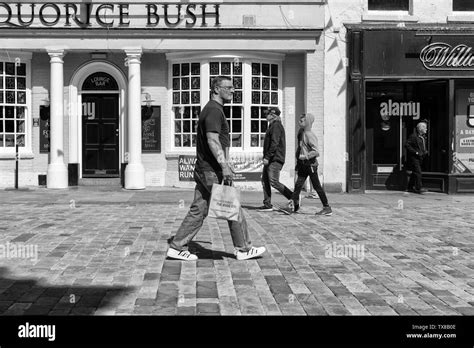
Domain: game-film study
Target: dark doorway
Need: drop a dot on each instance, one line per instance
(393, 110)
(100, 135)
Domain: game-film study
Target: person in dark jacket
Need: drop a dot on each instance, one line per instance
(416, 151)
(274, 148)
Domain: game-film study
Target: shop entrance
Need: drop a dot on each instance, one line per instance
(393, 110)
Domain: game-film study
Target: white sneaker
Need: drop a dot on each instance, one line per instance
(181, 255)
(253, 252)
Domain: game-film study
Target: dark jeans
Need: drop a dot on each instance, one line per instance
(312, 172)
(415, 177)
(198, 211)
(271, 178)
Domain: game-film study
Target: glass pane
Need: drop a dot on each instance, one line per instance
(214, 68)
(265, 98)
(20, 126)
(237, 69)
(21, 97)
(195, 97)
(255, 82)
(236, 126)
(1, 140)
(1, 96)
(10, 68)
(175, 84)
(9, 126)
(194, 125)
(255, 97)
(225, 68)
(176, 70)
(254, 112)
(266, 69)
(255, 69)
(175, 97)
(274, 70)
(21, 69)
(177, 126)
(1, 68)
(275, 98)
(254, 140)
(187, 112)
(184, 69)
(254, 126)
(195, 83)
(266, 83)
(195, 69)
(237, 82)
(177, 140)
(187, 140)
(196, 111)
(186, 126)
(1, 82)
(274, 84)
(9, 140)
(21, 83)
(20, 140)
(1, 126)
(10, 96)
(185, 83)
(185, 98)
(463, 5)
(388, 5)
(237, 97)
(9, 112)
(9, 82)
(193, 139)
(236, 111)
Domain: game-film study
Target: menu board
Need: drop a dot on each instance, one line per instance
(151, 129)
(44, 129)
(463, 157)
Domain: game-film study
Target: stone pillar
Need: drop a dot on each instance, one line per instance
(57, 176)
(135, 172)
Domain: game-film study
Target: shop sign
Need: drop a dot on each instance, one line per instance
(443, 56)
(108, 15)
(393, 108)
(463, 157)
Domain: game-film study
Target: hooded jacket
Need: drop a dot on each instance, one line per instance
(307, 144)
(274, 145)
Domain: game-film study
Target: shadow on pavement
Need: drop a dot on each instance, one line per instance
(28, 297)
(208, 254)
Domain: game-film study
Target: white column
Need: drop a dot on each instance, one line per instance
(135, 172)
(57, 172)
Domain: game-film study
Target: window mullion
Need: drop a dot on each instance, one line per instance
(247, 101)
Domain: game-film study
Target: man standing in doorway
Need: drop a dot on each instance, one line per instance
(274, 148)
(416, 152)
(212, 166)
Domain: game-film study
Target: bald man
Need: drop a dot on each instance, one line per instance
(417, 150)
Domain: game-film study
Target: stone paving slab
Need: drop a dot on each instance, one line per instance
(102, 251)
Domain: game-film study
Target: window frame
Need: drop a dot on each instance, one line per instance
(27, 150)
(409, 10)
(246, 59)
(461, 11)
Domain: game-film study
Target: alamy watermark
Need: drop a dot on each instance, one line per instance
(19, 251)
(345, 251)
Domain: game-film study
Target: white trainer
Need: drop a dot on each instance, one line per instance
(253, 252)
(181, 255)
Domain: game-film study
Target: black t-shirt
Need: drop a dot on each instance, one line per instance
(211, 119)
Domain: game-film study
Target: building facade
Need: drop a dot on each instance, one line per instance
(406, 61)
(92, 90)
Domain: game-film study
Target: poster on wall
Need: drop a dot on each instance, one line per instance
(463, 157)
(151, 129)
(44, 129)
(246, 168)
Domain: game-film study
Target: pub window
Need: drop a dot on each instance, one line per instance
(463, 5)
(245, 113)
(13, 120)
(388, 5)
(186, 80)
(233, 110)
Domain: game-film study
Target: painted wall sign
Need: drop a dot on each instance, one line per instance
(151, 129)
(108, 15)
(393, 108)
(443, 56)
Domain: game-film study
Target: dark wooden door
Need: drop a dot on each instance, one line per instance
(100, 135)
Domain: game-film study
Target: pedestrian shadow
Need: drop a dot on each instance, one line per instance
(30, 297)
(250, 207)
(208, 254)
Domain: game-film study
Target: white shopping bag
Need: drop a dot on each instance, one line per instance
(225, 202)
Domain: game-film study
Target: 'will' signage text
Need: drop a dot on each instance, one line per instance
(443, 56)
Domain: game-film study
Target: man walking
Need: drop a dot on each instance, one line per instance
(307, 165)
(212, 146)
(416, 152)
(274, 148)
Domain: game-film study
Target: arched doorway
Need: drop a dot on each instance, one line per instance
(100, 126)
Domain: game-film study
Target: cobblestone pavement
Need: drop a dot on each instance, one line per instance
(102, 251)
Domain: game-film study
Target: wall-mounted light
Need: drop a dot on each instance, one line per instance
(148, 101)
(46, 101)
